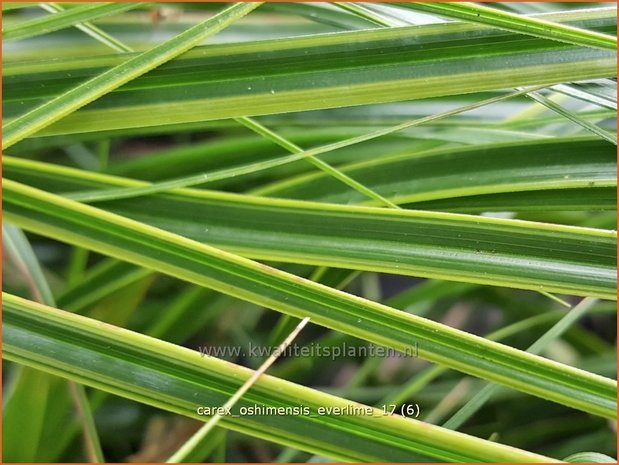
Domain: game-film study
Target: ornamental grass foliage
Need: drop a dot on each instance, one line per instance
(428, 187)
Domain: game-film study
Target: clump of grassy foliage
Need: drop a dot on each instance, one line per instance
(432, 185)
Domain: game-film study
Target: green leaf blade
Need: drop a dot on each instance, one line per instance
(185, 259)
(439, 245)
(345, 69)
(103, 83)
(68, 18)
(517, 23)
(180, 380)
